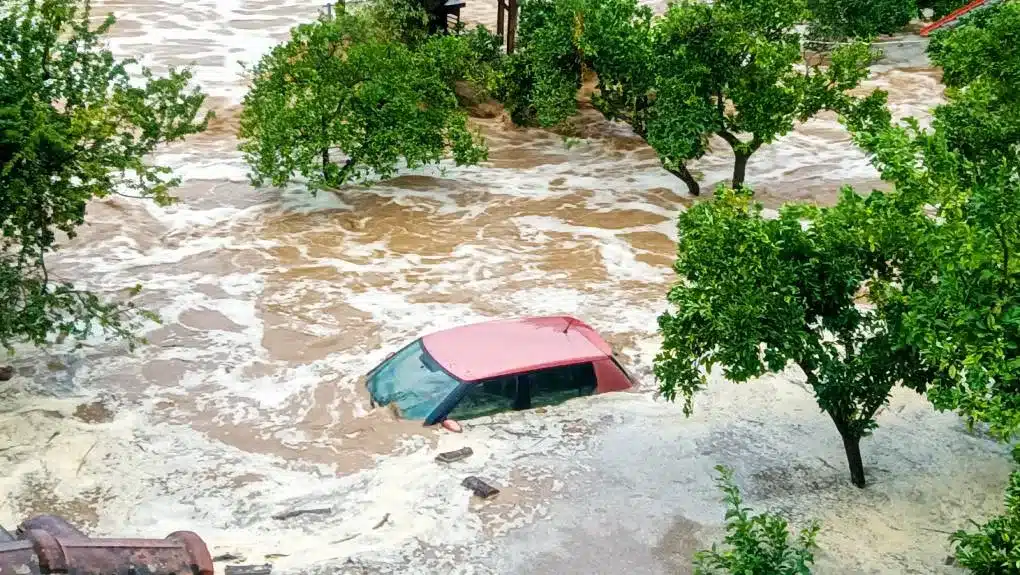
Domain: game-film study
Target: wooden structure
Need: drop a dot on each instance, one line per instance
(441, 13)
(445, 14)
(950, 19)
(506, 11)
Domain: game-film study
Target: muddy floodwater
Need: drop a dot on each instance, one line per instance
(246, 403)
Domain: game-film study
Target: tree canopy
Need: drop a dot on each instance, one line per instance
(980, 62)
(72, 128)
(539, 81)
(756, 294)
(958, 294)
(835, 20)
(729, 69)
(342, 87)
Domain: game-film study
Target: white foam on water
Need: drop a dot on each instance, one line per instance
(147, 473)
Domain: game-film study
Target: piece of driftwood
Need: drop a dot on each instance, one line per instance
(266, 569)
(481, 488)
(228, 557)
(297, 512)
(456, 455)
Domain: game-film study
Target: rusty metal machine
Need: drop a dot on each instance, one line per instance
(48, 544)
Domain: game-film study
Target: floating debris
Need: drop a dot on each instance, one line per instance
(457, 455)
(227, 557)
(297, 512)
(249, 569)
(481, 488)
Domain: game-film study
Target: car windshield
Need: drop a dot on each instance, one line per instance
(412, 380)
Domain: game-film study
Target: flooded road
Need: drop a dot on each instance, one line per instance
(274, 302)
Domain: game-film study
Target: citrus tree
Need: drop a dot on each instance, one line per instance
(539, 81)
(341, 101)
(835, 20)
(73, 127)
(731, 69)
(755, 295)
(958, 291)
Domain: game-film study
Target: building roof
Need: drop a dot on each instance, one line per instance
(502, 347)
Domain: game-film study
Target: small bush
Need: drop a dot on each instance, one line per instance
(994, 547)
(834, 20)
(756, 544)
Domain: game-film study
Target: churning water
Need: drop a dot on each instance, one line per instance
(274, 301)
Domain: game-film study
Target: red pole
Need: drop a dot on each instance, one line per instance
(951, 17)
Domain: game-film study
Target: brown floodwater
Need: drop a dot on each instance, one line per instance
(274, 302)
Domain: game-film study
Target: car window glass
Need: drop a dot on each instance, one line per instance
(486, 397)
(413, 381)
(558, 384)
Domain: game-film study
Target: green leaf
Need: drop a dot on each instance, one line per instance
(343, 101)
(73, 128)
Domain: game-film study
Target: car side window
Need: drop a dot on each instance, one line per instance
(486, 397)
(558, 384)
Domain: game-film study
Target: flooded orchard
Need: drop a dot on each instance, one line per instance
(247, 402)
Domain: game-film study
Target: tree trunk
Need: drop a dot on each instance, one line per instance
(852, 445)
(684, 174)
(740, 169)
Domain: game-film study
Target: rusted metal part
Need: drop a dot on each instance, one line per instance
(51, 545)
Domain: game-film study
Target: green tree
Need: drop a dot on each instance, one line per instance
(836, 20)
(956, 299)
(756, 294)
(540, 80)
(980, 60)
(756, 544)
(340, 86)
(72, 128)
(729, 68)
(993, 547)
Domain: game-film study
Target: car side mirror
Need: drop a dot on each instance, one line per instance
(452, 425)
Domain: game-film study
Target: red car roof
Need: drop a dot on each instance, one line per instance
(502, 347)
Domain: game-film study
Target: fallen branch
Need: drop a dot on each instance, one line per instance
(297, 512)
(84, 457)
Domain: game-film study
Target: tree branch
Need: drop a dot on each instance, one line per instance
(730, 138)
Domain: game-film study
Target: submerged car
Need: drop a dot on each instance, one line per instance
(489, 367)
